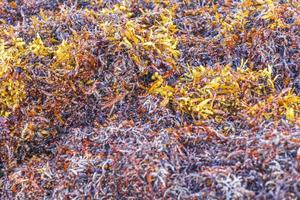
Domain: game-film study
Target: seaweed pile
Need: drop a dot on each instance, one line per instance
(146, 99)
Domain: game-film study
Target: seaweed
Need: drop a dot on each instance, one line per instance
(146, 99)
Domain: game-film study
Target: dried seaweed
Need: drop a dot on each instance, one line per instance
(142, 99)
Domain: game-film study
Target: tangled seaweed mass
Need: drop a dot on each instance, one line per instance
(148, 99)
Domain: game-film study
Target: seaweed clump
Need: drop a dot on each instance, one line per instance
(149, 99)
